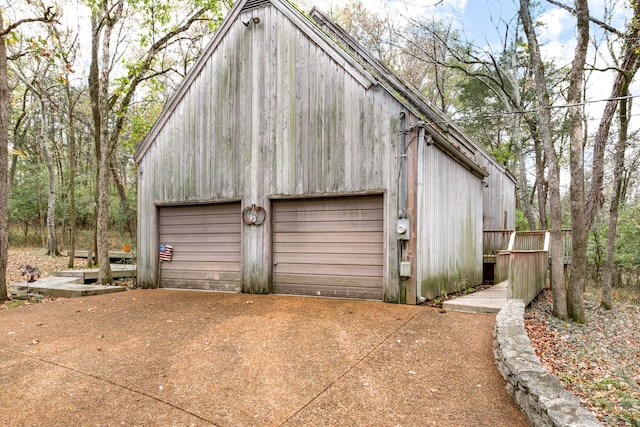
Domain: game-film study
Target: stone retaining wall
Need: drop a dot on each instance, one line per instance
(540, 395)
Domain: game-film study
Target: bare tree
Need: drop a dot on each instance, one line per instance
(624, 114)
(579, 231)
(46, 16)
(544, 118)
(45, 146)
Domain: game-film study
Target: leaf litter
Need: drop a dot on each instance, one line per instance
(599, 361)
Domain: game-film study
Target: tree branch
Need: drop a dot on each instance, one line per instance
(602, 24)
(48, 17)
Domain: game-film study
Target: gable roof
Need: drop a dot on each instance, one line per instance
(355, 60)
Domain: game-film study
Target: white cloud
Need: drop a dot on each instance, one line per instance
(556, 23)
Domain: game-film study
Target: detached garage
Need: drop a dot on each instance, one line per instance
(290, 161)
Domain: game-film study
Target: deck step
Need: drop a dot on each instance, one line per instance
(118, 271)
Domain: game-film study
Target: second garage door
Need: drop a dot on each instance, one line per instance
(329, 247)
(206, 247)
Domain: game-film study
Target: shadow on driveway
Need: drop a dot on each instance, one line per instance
(180, 358)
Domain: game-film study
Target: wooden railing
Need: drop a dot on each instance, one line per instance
(494, 241)
(523, 262)
(522, 258)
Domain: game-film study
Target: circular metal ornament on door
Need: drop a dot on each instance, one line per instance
(253, 215)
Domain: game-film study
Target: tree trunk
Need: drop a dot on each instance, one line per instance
(628, 68)
(17, 144)
(544, 125)
(104, 267)
(72, 177)
(124, 202)
(523, 192)
(52, 244)
(4, 162)
(618, 172)
(541, 182)
(104, 157)
(579, 229)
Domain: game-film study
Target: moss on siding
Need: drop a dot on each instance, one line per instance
(254, 281)
(146, 284)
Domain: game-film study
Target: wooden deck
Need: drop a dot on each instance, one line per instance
(119, 271)
(74, 283)
(114, 256)
(67, 287)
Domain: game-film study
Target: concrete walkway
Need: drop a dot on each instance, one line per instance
(490, 300)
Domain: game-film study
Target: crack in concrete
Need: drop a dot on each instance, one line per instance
(352, 367)
(124, 387)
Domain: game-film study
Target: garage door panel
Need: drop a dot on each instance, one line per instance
(201, 238)
(336, 204)
(352, 215)
(358, 292)
(328, 259)
(330, 248)
(320, 269)
(204, 285)
(325, 226)
(201, 267)
(206, 247)
(196, 247)
(208, 276)
(230, 219)
(332, 280)
(187, 210)
(335, 237)
(201, 229)
(206, 257)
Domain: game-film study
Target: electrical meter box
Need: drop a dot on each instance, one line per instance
(403, 229)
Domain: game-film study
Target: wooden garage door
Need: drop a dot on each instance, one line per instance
(328, 247)
(206, 246)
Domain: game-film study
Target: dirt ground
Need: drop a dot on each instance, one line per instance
(179, 358)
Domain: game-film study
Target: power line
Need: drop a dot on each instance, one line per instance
(535, 110)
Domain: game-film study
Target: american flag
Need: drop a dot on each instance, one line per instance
(166, 252)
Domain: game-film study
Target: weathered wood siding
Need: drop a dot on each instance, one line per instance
(270, 112)
(449, 224)
(498, 195)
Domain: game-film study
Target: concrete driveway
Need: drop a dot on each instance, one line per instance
(180, 358)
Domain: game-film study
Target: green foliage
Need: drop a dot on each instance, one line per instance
(521, 221)
(628, 238)
(28, 195)
(627, 250)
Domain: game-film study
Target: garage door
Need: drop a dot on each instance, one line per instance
(206, 246)
(328, 247)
